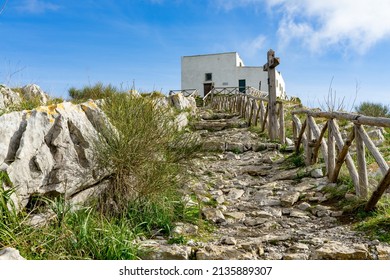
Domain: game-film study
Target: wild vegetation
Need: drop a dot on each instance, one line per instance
(373, 109)
(146, 156)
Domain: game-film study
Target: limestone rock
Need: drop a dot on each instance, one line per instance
(288, 199)
(213, 215)
(10, 254)
(228, 240)
(235, 194)
(256, 170)
(235, 215)
(250, 222)
(49, 150)
(304, 206)
(213, 252)
(296, 256)
(187, 229)
(180, 102)
(8, 97)
(317, 173)
(181, 120)
(383, 252)
(298, 214)
(334, 250)
(33, 91)
(166, 252)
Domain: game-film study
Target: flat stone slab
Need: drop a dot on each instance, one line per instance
(337, 251)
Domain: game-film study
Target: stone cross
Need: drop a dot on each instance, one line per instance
(270, 66)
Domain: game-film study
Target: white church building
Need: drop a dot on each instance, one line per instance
(204, 72)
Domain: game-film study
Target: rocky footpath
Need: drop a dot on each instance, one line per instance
(258, 206)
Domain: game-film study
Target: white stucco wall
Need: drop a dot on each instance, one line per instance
(226, 69)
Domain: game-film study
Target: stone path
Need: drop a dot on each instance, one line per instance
(259, 207)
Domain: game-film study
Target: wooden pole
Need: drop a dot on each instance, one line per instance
(361, 164)
(264, 120)
(357, 119)
(348, 159)
(377, 194)
(316, 132)
(331, 152)
(270, 66)
(252, 107)
(257, 113)
(308, 148)
(282, 128)
(373, 150)
(262, 111)
(301, 136)
(320, 143)
(342, 154)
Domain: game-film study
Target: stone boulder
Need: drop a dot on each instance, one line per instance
(50, 150)
(180, 102)
(8, 97)
(334, 250)
(32, 91)
(10, 254)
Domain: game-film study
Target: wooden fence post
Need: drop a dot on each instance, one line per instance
(331, 151)
(348, 159)
(373, 150)
(308, 147)
(320, 141)
(377, 194)
(270, 66)
(361, 163)
(282, 128)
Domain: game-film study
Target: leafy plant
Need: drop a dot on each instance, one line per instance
(373, 109)
(142, 152)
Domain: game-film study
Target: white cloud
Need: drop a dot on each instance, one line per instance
(320, 24)
(346, 24)
(254, 47)
(37, 6)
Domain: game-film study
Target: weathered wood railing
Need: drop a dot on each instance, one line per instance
(312, 137)
(253, 108)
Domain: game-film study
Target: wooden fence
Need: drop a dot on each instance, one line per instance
(336, 151)
(251, 105)
(325, 139)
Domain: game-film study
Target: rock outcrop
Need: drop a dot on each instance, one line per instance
(180, 102)
(8, 97)
(33, 91)
(50, 150)
(12, 98)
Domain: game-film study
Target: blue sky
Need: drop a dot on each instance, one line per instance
(60, 44)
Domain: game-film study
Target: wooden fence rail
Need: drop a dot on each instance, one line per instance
(313, 139)
(254, 108)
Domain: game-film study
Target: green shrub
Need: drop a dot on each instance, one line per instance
(98, 91)
(373, 109)
(142, 152)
